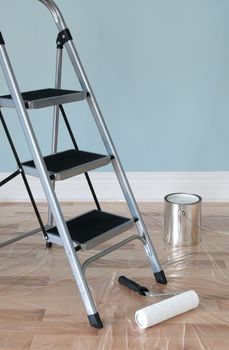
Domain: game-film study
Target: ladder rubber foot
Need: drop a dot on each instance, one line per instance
(160, 277)
(48, 244)
(95, 321)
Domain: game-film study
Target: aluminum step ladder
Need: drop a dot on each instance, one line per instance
(94, 227)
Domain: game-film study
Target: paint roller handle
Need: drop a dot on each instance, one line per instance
(124, 281)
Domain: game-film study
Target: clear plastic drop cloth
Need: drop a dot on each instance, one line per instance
(40, 306)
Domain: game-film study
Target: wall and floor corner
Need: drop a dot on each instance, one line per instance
(160, 74)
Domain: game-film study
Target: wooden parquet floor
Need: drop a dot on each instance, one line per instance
(40, 307)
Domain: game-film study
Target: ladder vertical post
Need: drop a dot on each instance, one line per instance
(30, 137)
(56, 114)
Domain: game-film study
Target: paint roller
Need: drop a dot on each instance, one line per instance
(159, 312)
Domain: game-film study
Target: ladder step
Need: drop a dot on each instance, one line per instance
(92, 228)
(44, 98)
(63, 165)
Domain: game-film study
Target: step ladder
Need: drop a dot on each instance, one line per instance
(94, 227)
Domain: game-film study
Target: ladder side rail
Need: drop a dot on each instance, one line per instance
(56, 111)
(56, 114)
(107, 140)
(56, 13)
(47, 186)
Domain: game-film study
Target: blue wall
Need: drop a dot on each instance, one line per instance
(159, 69)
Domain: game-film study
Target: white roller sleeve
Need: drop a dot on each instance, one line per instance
(166, 309)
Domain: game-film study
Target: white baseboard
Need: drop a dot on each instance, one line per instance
(146, 186)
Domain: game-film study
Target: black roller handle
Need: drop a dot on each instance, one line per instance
(141, 290)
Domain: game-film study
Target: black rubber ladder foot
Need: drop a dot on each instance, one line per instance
(48, 244)
(95, 321)
(160, 277)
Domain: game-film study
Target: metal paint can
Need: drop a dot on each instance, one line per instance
(182, 219)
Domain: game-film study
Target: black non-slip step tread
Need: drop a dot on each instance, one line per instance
(67, 159)
(93, 224)
(45, 97)
(42, 93)
(69, 163)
